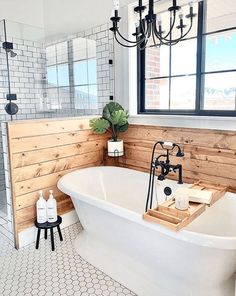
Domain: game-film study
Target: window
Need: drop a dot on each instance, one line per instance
(58, 89)
(198, 75)
(72, 74)
(85, 73)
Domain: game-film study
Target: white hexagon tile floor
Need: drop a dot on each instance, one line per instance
(63, 272)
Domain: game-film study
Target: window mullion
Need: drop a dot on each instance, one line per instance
(200, 58)
(141, 78)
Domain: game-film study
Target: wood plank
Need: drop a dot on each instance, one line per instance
(188, 176)
(45, 181)
(63, 208)
(46, 141)
(29, 213)
(54, 166)
(202, 166)
(38, 156)
(12, 189)
(214, 153)
(194, 137)
(42, 127)
(30, 199)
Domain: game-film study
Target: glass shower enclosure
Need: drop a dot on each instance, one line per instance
(46, 76)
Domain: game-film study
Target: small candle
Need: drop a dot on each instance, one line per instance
(181, 15)
(116, 4)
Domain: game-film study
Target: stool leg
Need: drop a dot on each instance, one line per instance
(45, 233)
(52, 239)
(59, 232)
(38, 238)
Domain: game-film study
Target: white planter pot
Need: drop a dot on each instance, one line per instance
(115, 148)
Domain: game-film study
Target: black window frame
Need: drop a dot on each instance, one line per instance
(199, 97)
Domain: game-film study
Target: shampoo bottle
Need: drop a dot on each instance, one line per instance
(41, 208)
(51, 208)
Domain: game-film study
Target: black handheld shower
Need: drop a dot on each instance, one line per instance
(165, 166)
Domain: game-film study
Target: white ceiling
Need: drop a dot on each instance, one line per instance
(70, 16)
(59, 17)
(63, 17)
(23, 11)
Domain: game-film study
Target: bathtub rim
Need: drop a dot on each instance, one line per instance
(202, 239)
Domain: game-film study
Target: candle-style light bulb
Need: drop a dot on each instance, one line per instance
(191, 8)
(136, 24)
(181, 15)
(116, 4)
(158, 18)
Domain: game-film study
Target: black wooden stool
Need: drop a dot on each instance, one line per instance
(47, 226)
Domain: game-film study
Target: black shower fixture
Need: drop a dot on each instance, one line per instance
(11, 108)
(8, 46)
(11, 97)
(162, 162)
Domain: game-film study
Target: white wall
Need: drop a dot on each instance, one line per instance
(23, 11)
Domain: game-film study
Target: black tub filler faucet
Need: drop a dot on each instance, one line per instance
(163, 162)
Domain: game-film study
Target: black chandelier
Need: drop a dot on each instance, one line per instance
(150, 26)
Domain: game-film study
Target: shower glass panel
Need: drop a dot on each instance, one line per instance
(3, 89)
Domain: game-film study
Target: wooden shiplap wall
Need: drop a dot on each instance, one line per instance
(210, 155)
(41, 151)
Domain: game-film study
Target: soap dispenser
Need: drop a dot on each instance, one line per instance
(41, 208)
(51, 208)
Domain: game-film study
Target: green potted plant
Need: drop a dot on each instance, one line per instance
(114, 120)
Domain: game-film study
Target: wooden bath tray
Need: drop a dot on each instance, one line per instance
(217, 190)
(167, 215)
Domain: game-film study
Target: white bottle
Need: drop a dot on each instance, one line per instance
(41, 208)
(51, 208)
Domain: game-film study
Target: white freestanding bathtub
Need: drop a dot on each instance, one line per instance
(148, 258)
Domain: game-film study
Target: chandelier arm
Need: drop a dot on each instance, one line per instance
(143, 47)
(171, 27)
(141, 24)
(181, 37)
(129, 41)
(190, 28)
(146, 41)
(128, 46)
(160, 38)
(154, 36)
(157, 35)
(145, 30)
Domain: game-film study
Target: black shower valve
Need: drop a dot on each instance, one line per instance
(11, 97)
(7, 45)
(167, 191)
(11, 108)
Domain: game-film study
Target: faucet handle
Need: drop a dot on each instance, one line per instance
(161, 177)
(180, 153)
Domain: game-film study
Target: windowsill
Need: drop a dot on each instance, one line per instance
(204, 122)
